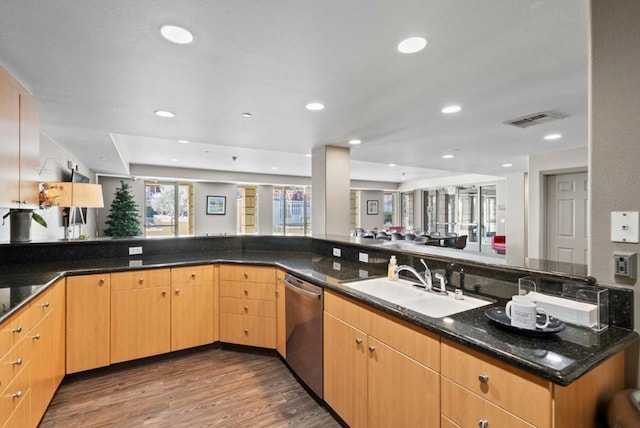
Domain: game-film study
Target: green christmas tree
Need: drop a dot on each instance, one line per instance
(123, 218)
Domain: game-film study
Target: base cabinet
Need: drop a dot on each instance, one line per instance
(372, 383)
(281, 321)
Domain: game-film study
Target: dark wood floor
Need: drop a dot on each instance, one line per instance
(203, 388)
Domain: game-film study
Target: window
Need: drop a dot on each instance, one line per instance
(407, 210)
(387, 208)
(164, 210)
(291, 211)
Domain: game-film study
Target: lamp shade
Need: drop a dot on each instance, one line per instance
(83, 195)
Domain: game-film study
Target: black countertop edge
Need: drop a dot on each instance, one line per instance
(469, 328)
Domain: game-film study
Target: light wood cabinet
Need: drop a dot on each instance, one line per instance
(19, 145)
(281, 321)
(140, 314)
(370, 381)
(88, 322)
(191, 306)
(248, 305)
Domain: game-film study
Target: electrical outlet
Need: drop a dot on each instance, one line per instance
(133, 251)
(336, 266)
(337, 252)
(364, 257)
(363, 273)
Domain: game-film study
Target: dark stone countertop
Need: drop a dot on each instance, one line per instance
(560, 358)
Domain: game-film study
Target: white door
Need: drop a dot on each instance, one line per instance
(567, 218)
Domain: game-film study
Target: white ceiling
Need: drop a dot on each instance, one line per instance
(99, 69)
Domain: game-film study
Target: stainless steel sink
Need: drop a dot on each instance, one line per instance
(403, 293)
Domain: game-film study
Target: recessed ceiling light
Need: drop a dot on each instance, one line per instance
(550, 137)
(176, 34)
(412, 45)
(447, 156)
(102, 158)
(164, 113)
(451, 109)
(315, 106)
(355, 142)
(183, 141)
(175, 160)
(274, 167)
(507, 165)
(247, 115)
(308, 155)
(392, 164)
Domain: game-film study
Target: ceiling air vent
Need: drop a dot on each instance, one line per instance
(536, 119)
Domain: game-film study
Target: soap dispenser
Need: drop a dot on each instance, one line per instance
(391, 273)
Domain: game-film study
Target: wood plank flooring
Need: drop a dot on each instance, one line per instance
(206, 387)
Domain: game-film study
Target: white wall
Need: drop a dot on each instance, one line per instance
(330, 187)
(559, 162)
(214, 224)
(614, 155)
(265, 210)
(515, 216)
(369, 222)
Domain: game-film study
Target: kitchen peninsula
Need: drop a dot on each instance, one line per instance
(559, 366)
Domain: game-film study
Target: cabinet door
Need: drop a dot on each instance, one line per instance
(281, 323)
(248, 330)
(88, 307)
(402, 392)
(345, 371)
(9, 141)
(59, 334)
(29, 152)
(42, 366)
(140, 323)
(191, 315)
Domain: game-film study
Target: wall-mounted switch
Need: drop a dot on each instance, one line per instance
(337, 252)
(364, 257)
(135, 251)
(625, 226)
(625, 264)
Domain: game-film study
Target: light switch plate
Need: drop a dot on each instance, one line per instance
(625, 226)
(133, 251)
(337, 252)
(363, 257)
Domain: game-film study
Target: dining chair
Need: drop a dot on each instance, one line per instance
(461, 242)
(409, 236)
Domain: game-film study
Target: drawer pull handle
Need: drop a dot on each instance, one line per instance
(177, 291)
(246, 292)
(358, 341)
(246, 275)
(141, 279)
(483, 423)
(17, 394)
(164, 293)
(372, 348)
(17, 330)
(17, 362)
(45, 305)
(193, 275)
(101, 282)
(246, 308)
(483, 378)
(36, 337)
(246, 331)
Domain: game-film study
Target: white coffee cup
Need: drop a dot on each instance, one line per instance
(522, 312)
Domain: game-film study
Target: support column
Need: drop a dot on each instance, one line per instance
(330, 186)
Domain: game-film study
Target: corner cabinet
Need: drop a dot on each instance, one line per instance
(19, 145)
(248, 305)
(378, 370)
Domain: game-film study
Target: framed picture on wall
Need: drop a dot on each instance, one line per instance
(372, 207)
(216, 205)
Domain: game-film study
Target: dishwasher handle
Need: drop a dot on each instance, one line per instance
(295, 288)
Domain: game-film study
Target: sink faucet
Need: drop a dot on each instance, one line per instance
(424, 279)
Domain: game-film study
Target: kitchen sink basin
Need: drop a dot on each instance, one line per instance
(403, 293)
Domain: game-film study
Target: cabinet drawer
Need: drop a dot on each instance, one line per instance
(42, 305)
(14, 362)
(248, 273)
(466, 409)
(14, 329)
(347, 310)
(499, 383)
(140, 279)
(248, 290)
(191, 274)
(248, 330)
(254, 307)
(15, 393)
(414, 342)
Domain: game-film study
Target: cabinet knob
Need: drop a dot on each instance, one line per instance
(17, 362)
(36, 337)
(246, 331)
(17, 394)
(164, 293)
(372, 348)
(483, 423)
(177, 291)
(277, 291)
(17, 330)
(246, 275)
(141, 279)
(193, 275)
(101, 282)
(358, 341)
(246, 292)
(45, 305)
(483, 378)
(246, 308)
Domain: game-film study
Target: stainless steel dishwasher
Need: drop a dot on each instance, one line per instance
(304, 306)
